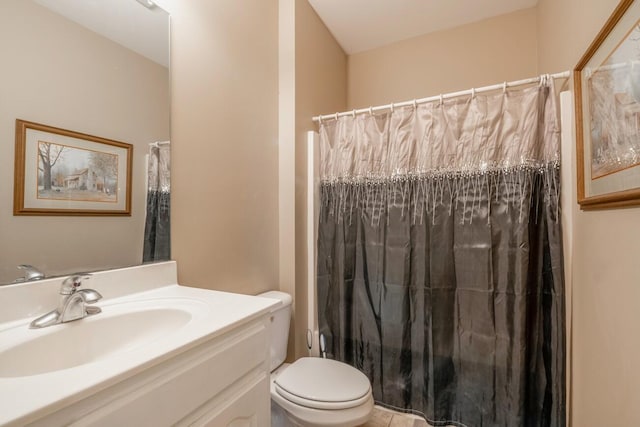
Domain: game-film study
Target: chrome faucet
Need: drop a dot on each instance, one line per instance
(30, 273)
(73, 303)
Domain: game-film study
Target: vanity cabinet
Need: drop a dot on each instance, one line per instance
(221, 381)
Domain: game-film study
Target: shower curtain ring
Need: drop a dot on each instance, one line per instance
(504, 87)
(473, 92)
(441, 99)
(415, 104)
(336, 116)
(320, 119)
(544, 79)
(392, 107)
(370, 111)
(353, 114)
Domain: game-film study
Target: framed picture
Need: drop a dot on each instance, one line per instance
(607, 99)
(61, 172)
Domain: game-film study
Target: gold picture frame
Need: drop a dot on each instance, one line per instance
(607, 105)
(66, 173)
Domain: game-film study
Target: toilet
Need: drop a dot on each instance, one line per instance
(312, 391)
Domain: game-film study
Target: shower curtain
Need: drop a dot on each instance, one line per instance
(157, 231)
(440, 270)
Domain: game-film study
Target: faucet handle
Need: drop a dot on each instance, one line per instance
(31, 272)
(73, 282)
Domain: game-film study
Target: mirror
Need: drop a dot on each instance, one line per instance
(66, 65)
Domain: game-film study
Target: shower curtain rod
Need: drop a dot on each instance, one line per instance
(504, 86)
(159, 143)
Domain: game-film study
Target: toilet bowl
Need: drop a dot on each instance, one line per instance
(314, 392)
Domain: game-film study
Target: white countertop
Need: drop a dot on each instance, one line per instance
(26, 398)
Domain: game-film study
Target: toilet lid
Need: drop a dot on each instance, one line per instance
(323, 384)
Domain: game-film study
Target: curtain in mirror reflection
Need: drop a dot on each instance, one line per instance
(157, 232)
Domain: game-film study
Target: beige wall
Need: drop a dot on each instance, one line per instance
(321, 87)
(313, 80)
(287, 156)
(58, 73)
(224, 72)
(240, 108)
(478, 54)
(606, 272)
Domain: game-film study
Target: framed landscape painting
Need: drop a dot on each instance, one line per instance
(607, 95)
(61, 172)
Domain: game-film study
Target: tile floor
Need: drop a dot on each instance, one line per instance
(385, 418)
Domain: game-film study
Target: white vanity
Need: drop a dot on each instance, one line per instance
(158, 354)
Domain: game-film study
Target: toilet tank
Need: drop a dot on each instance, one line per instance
(280, 318)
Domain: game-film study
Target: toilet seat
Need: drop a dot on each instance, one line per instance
(323, 384)
(300, 415)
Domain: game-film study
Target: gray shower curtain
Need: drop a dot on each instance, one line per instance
(440, 258)
(157, 230)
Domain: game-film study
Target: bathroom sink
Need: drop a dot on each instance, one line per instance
(121, 327)
(147, 323)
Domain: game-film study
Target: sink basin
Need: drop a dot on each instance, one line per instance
(119, 328)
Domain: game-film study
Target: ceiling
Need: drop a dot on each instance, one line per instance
(126, 22)
(360, 25)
